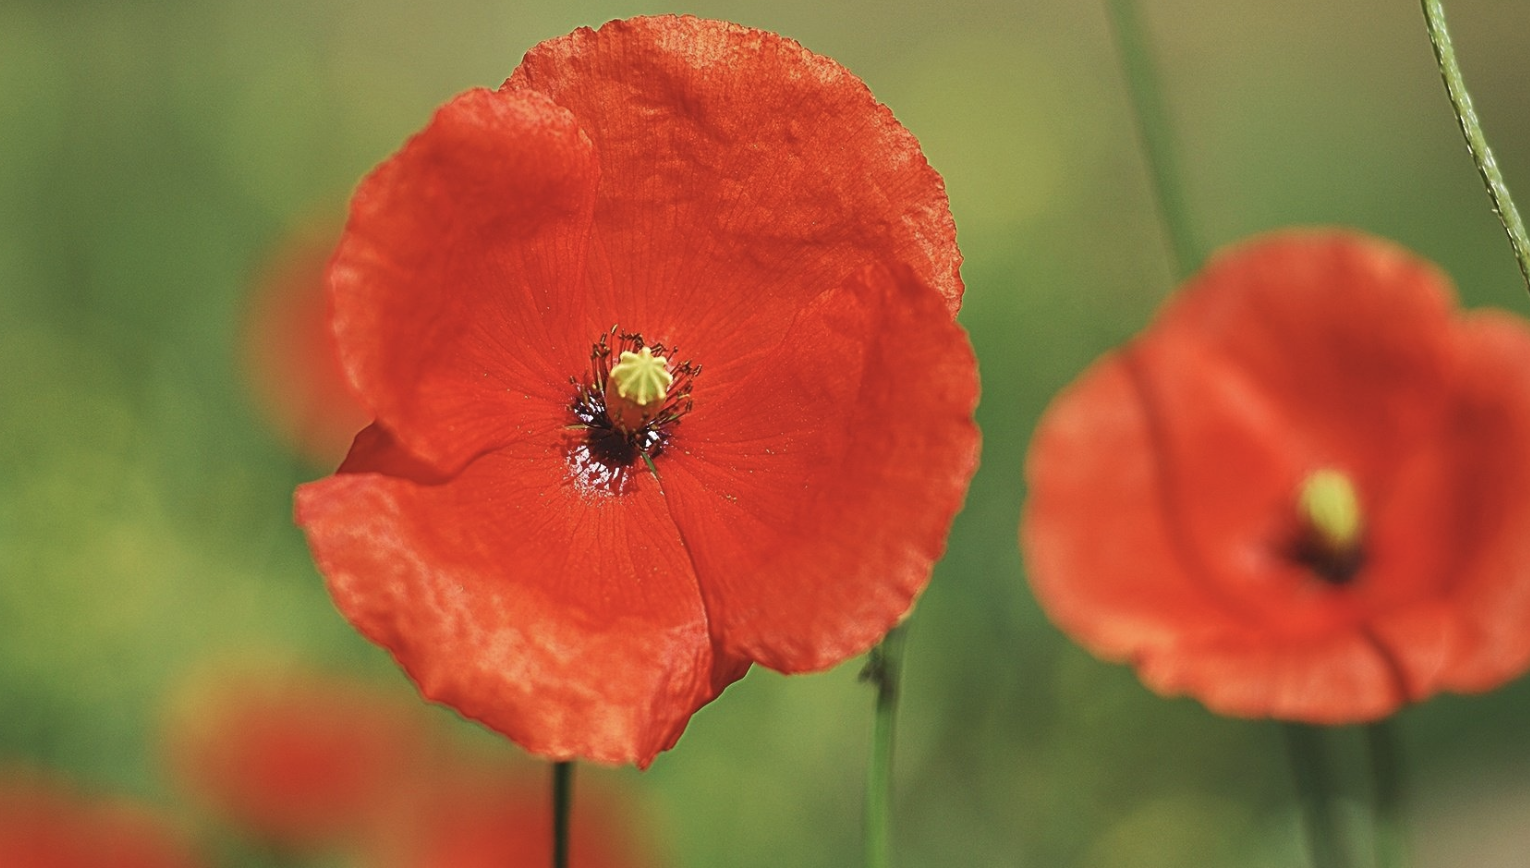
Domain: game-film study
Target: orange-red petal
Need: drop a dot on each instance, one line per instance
(741, 176)
(289, 353)
(494, 818)
(1488, 638)
(301, 762)
(815, 493)
(555, 611)
(454, 290)
(46, 824)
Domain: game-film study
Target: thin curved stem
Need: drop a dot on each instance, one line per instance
(1388, 791)
(1476, 139)
(1154, 129)
(1313, 777)
(562, 803)
(883, 668)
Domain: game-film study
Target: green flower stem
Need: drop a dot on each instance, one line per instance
(1315, 792)
(882, 670)
(1388, 790)
(1153, 128)
(1476, 140)
(562, 801)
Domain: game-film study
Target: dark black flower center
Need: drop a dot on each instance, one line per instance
(1334, 566)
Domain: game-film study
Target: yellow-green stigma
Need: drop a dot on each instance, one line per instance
(639, 388)
(641, 377)
(1331, 508)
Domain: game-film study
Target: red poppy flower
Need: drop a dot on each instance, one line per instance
(289, 353)
(1301, 493)
(496, 819)
(45, 824)
(299, 762)
(658, 337)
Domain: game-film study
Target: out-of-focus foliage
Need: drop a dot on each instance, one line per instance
(154, 154)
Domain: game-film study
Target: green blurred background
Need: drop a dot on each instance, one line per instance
(154, 153)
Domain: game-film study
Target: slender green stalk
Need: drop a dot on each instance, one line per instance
(882, 670)
(562, 802)
(1476, 140)
(1388, 790)
(1315, 791)
(1153, 128)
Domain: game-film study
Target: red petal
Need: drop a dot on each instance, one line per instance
(559, 614)
(455, 288)
(492, 817)
(1347, 334)
(1488, 589)
(1334, 680)
(1100, 553)
(289, 352)
(302, 763)
(46, 824)
(741, 176)
(815, 493)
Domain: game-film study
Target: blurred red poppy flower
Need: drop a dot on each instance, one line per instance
(300, 762)
(561, 525)
(1301, 493)
(493, 818)
(46, 824)
(289, 352)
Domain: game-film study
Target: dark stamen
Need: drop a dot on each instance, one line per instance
(606, 442)
(1336, 567)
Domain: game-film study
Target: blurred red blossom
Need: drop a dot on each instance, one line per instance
(288, 352)
(568, 530)
(45, 823)
(1301, 493)
(298, 761)
(496, 817)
